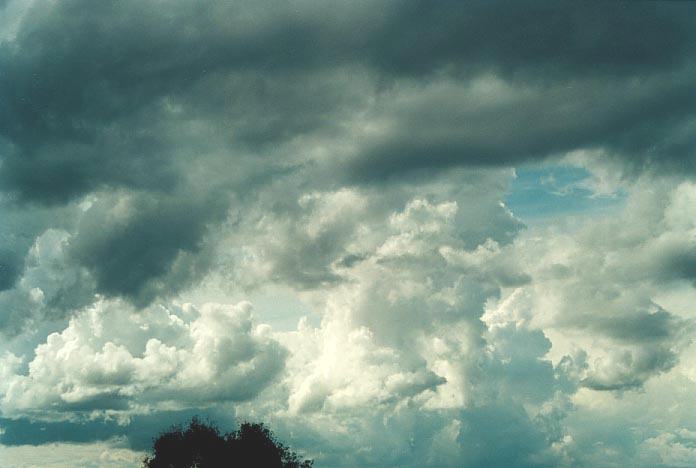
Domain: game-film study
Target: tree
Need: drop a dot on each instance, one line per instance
(201, 445)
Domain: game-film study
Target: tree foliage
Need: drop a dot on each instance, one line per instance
(201, 445)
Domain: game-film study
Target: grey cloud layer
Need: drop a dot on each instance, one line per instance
(134, 95)
(91, 90)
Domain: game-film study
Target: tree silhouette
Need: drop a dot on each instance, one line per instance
(201, 445)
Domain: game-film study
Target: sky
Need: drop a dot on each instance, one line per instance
(400, 233)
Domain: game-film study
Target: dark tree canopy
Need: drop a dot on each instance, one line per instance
(201, 445)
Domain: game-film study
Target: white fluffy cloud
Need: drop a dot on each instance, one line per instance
(111, 358)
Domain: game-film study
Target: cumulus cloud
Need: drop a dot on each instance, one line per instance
(111, 358)
(401, 341)
(309, 238)
(603, 281)
(672, 449)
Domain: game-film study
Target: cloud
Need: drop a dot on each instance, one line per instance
(9, 269)
(603, 281)
(310, 239)
(373, 343)
(104, 454)
(49, 287)
(162, 163)
(113, 359)
(137, 97)
(187, 126)
(18, 232)
(401, 354)
(489, 121)
(137, 246)
(672, 449)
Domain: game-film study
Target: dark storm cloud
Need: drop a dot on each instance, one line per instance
(542, 41)
(82, 83)
(142, 252)
(613, 77)
(163, 98)
(10, 268)
(643, 327)
(82, 78)
(677, 262)
(645, 121)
